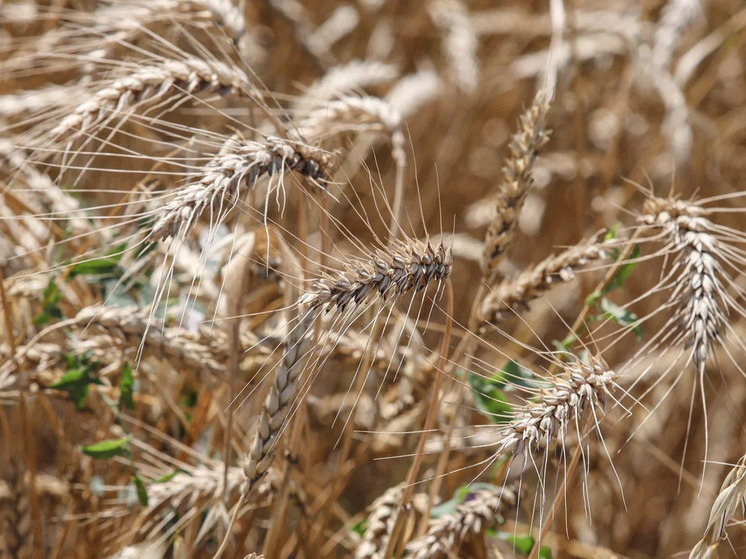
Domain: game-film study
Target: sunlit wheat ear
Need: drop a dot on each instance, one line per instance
(179, 78)
(517, 181)
(577, 396)
(699, 296)
(379, 524)
(481, 510)
(352, 113)
(730, 499)
(385, 275)
(514, 294)
(239, 162)
(460, 41)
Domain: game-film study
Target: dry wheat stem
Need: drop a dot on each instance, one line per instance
(524, 147)
(479, 511)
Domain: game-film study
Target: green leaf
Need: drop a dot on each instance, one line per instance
(621, 316)
(524, 545)
(612, 234)
(77, 380)
(517, 375)
(50, 301)
(126, 388)
(142, 491)
(108, 448)
(360, 527)
(167, 477)
(625, 270)
(99, 266)
(489, 398)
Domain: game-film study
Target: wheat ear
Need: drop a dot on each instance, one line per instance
(583, 389)
(532, 283)
(524, 147)
(732, 496)
(480, 510)
(379, 524)
(151, 83)
(699, 295)
(238, 162)
(386, 274)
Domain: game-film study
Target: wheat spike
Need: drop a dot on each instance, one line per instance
(529, 285)
(386, 274)
(524, 147)
(281, 395)
(582, 389)
(379, 525)
(698, 295)
(480, 510)
(151, 83)
(460, 42)
(732, 496)
(238, 162)
(16, 538)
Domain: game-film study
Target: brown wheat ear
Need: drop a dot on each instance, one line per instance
(239, 162)
(524, 147)
(582, 390)
(379, 524)
(699, 297)
(732, 496)
(386, 274)
(480, 510)
(152, 83)
(515, 293)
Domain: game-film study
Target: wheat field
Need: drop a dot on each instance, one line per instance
(372, 279)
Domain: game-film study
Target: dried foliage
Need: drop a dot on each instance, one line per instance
(372, 279)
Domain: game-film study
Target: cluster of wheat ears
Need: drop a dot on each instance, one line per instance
(372, 279)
